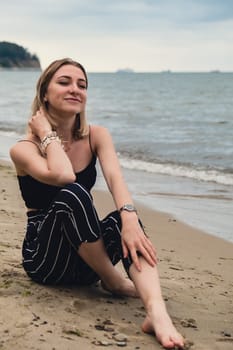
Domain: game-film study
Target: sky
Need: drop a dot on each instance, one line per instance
(107, 35)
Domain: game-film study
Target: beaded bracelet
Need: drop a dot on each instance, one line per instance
(52, 136)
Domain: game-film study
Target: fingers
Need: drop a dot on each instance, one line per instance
(136, 243)
(150, 249)
(39, 113)
(42, 110)
(149, 256)
(147, 250)
(39, 124)
(125, 250)
(134, 256)
(35, 116)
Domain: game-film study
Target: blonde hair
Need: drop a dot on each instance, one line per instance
(80, 128)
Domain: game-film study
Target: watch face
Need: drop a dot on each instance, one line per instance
(129, 207)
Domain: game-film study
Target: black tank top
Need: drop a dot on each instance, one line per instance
(38, 195)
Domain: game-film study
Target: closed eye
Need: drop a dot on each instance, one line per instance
(82, 86)
(79, 85)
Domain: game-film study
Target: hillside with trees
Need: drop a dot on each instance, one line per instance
(15, 56)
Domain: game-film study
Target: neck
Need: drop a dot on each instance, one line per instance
(64, 124)
(64, 128)
(65, 134)
(66, 137)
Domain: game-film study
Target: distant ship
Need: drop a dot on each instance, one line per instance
(125, 70)
(166, 71)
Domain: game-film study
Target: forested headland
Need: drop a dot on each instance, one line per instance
(15, 56)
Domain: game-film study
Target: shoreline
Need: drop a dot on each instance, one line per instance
(195, 272)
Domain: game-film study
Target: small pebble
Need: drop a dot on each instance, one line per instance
(104, 343)
(120, 337)
(121, 343)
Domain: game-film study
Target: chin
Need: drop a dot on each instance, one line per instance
(71, 111)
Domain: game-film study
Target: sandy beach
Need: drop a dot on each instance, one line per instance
(196, 278)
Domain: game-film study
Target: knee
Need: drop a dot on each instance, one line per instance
(76, 190)
(74, 195)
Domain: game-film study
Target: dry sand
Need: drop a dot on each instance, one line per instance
(196, 272)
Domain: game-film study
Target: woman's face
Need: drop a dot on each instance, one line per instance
(67, 91)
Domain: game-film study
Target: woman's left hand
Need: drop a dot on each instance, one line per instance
(134, 240)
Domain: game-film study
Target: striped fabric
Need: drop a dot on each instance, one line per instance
(54, 235)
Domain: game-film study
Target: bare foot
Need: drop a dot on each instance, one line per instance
(158, 321)
(124, 287)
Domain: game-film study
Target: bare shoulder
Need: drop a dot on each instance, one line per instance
(97, 129)
(23, 151)
(22, 146)
(102, 141)
(99, 133)
(101, 138)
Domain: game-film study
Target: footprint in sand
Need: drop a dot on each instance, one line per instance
(80, 304)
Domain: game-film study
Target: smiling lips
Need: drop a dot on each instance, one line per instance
(73, 99)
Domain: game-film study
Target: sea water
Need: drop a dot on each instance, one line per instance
(173, 133)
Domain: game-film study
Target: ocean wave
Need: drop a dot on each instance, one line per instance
(207, 175)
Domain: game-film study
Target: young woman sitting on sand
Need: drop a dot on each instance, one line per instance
(65, 241)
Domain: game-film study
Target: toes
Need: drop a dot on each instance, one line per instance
(178, 341)
(172, 342)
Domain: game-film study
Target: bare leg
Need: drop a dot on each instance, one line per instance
(94, 254)
(157, 319)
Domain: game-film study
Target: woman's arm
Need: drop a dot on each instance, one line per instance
(133, 237)
(56, 169)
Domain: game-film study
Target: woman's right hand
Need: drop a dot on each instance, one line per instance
(39, 124)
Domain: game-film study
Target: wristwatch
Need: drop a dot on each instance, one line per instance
(128, 207)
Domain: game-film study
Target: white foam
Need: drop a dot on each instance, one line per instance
(179, 170)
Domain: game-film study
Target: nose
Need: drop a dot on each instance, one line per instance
(74, 88)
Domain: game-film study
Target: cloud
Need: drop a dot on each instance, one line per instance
(144, 34)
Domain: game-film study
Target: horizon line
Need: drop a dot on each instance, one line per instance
(126, 71)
